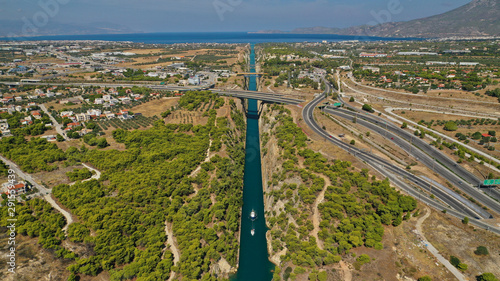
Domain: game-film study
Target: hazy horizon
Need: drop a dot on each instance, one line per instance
(151, 16)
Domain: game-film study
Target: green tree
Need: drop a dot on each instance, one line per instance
(353, 142)
(462, 267)
(59, 138)
(368, 108)
(450, 126)
(486, 277)
(476, 135)
(465, 220)
(73, 277)
(454, 261)
(102, 143)
(424, 278)
(351, 99)
(404, 126)
(166, 113)
(481, 251)
(322, 276)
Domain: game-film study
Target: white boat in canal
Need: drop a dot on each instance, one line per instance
(253, 215)
(252, 232)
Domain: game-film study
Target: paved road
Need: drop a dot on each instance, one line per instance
(267, 97)
(443, 136)
(420, 95)
(434, 251)
(435, 154)
(439, 108)
(395, 173)
(426, 154)
(46, 193)
(54, 121)
(398, 176)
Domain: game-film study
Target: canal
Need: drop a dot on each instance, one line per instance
(254, 261)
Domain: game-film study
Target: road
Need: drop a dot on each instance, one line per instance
(434, 251)
(395, 173)
(419, 95)
(438, 108)
(425, 153)
(461, 176)
(267, 97)
(443, 136)
(95, 176)
(415, 152)
(262, 96)
(46, 193)
(440, 157)
(54, 121)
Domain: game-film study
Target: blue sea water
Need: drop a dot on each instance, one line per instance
(209, 37)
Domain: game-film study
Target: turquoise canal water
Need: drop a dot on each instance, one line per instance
(254, 264)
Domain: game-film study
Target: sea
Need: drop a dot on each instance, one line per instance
(208, 37)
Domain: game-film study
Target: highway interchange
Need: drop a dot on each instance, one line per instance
(425, 153)
(398, 176)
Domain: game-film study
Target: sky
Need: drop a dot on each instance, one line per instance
(222, 15)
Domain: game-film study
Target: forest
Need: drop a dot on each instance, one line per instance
(354, 212)
(122, 216)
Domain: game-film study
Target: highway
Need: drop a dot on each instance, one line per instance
(434, 107)
(415, 152)
(459, 100)
(425, 153)
(267, 97)
(262, 96)
(395, 174)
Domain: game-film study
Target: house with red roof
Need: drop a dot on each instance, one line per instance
(36, 114)
(17, 187)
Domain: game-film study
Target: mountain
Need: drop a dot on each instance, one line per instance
(478, 18)
(19, 29)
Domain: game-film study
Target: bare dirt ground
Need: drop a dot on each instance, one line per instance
(155, 107)
(36, 263)
(450, 93)
(316, 217)
(185, 117)
(451, 237)
(58, 106)
(71, 143)
(155, 54)
(152, 51)
(416, 100)
(56, 177)
(445, 93)
(33, 262)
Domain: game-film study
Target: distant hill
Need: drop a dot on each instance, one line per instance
(478, 18)
(13, 28)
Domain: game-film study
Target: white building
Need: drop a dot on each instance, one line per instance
(195, 80)
(469, 63)
(82, 117)
(66, 113)
(94, 112)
